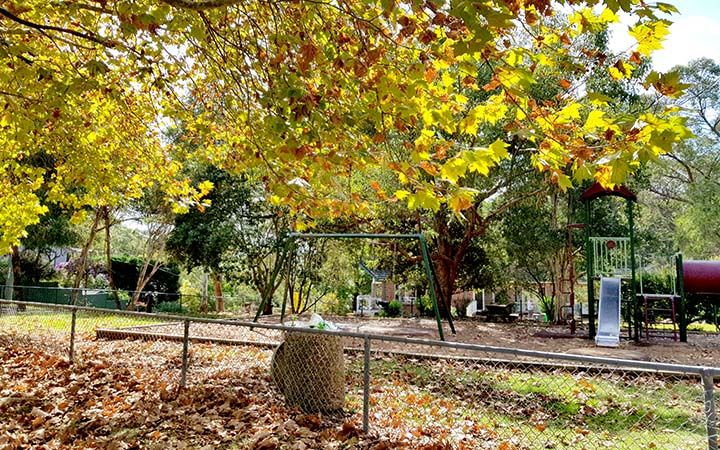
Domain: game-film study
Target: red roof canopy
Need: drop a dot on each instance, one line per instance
(597, 191)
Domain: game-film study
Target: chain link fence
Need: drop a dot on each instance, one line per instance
(148, 301)
(408, 392)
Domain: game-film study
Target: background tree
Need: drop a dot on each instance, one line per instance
(684, 187)
(208, 237)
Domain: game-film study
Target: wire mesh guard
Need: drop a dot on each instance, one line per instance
(418, 394)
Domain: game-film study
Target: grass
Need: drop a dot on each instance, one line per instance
(533, 408)
(703, 327)
(523, 407)
(42, 321)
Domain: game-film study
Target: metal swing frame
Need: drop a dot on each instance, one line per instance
(427, 265)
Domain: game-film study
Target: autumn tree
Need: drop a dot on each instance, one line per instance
(313, 98)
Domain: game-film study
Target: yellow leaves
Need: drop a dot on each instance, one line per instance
(595, 121)
(588, 20)
(569, 113)
(205, 187)
(470, 123)
(563, 181)
(401, 194)
(598, 99)
(300, 103)
(514, 57)
(667, 84)
(649, 36)
(479, 160)
(462, 199)
(275, 200)
(447, 79)
(620, 70)
(20, 206)
(498, 150)
(424, 142)
(491, 112)
(454, 169)
(608, 16)
(423, 199)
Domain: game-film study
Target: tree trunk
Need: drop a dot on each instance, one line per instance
(267, 306)
(446, 259)
(108, 258)
(446, 272)
(143, 280)
(16, 271)
(81, 271)
(204, 294)
(217, 287)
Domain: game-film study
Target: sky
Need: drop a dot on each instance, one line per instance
(695, 33)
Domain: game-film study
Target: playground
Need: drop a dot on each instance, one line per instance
(702, 348)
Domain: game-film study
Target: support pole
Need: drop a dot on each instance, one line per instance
(710, 413)
(73, 322)
(366, 387)
(431, 280)
(290, 253)
(589, 271)
(680, 287)
(633, 304)
(186, 343)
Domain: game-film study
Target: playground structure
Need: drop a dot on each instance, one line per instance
(608, 259)
(612, 261)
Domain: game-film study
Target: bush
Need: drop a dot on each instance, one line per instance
(393, 309)
(170, 308)
(425, 305)
(334, 305)
(547, 306)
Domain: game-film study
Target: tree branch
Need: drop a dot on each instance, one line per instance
(43, 28)
(200, 5)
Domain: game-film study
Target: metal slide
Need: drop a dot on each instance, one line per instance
(609, 313)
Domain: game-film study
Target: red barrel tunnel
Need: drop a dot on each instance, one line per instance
(701, 277)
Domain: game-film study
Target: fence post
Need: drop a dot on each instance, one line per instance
(72, 335)
(710, 413)
(366, 387)
(186, 342)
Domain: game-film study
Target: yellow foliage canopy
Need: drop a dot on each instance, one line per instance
(303, 94)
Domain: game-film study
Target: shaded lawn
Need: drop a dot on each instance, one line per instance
(35, 320)
(533, 408)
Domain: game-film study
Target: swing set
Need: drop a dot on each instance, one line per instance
(427, 267)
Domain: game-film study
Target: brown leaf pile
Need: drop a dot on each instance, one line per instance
(119, 395)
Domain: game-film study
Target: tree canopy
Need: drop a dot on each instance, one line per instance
(304, 94)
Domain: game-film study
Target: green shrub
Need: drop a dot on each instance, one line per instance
(547, 306)
(334, 305)
(170, 308)
(393, 309)
(425, 305)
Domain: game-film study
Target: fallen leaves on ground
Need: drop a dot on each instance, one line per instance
(123, 395)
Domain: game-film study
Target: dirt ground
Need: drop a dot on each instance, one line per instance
(701, 348)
